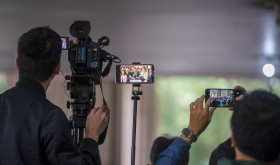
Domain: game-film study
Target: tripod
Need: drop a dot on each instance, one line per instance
(82, 92)
(135, 97)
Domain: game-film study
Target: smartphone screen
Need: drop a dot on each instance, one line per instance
(222, 97)
(135, 74)
(64, 41)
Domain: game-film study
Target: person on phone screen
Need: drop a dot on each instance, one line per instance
(123, 77)
(64, 44)
(136, 74)
(145, 75)
(150, 75)
(221, 102)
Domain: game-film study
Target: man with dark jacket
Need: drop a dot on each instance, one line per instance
(34, 131)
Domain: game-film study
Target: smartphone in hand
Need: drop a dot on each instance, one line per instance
(222, 97)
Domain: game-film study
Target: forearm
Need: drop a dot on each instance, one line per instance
(187, 139)
(90, 151)
(58, 143)
(174, 154)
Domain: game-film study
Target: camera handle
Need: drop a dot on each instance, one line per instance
(135, 97)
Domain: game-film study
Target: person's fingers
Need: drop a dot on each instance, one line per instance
(239, 97)
(196, 104)
(98, 112)
(106, 109)
(106, 119)
(241, 88)
(103, 114)
(207, 104)
(191, 106)
(93, 111)
(211, 112)
(200, 105)
(238, 87)
(96, 109)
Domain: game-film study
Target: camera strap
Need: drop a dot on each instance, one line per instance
(112, 59)
(104, 101)
(107, 69)
(103, 135)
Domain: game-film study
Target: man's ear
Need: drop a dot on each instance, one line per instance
(57, 69)
(233, 142)
(17, 63)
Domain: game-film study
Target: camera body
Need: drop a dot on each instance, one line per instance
(86, 61)
(86, 57)
(83, 56)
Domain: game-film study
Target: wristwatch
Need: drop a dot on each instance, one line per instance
(189, 133)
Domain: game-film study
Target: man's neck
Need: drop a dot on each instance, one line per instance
(47, 83)
(244, 157)
(241, 156)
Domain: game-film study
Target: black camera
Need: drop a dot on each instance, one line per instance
(86, 62)
(86, 56)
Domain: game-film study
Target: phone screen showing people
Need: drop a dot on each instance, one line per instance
(64, 41)
(222, 97)
(135, 74)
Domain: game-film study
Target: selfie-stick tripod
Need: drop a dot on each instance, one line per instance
(135, 97)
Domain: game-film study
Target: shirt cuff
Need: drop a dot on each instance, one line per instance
(176, 150)
(88, 144)
(180, 145)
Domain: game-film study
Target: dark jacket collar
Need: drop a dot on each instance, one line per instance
(24, 82)
(224, 161)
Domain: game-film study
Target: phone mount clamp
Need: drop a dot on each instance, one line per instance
(135, 97)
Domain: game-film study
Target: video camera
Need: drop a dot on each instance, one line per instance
(86, 56)
(86, 61)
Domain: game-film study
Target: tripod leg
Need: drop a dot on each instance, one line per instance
(75, 136)
(134, 132)
(81, 135)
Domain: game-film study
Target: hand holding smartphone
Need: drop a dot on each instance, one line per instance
(222, 97)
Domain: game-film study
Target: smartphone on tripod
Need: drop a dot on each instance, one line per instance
(134, 74)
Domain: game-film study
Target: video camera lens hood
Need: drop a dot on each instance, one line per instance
(80, 29)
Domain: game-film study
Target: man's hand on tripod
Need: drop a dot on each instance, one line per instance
(97, 121)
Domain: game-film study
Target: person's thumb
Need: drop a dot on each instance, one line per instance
(211, 112)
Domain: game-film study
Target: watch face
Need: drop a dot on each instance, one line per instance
(188, 132)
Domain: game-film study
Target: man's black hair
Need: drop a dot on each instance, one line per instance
(160, 144)
(39, 52)
(256, 125)
(223, 150)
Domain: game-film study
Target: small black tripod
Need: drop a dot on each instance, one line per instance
(135, 96)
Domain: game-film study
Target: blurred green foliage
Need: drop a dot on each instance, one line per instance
(174, 94)
(3, 82)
